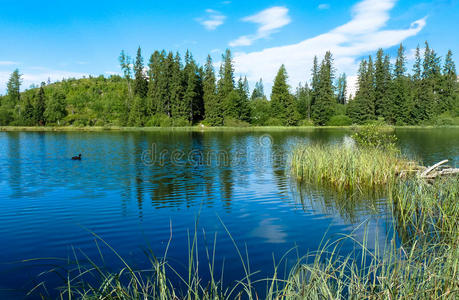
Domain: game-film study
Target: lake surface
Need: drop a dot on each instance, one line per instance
(137, 189)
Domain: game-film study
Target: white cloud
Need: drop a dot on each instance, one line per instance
(36, 75)
(364, 33)
(8, 63)
(213, 20)
(269, 21)
(324, 6)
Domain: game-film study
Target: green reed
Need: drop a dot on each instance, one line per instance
(346, 167)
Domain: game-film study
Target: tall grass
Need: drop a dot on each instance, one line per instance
(348, 167)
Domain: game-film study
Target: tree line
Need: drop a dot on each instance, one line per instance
(171, 91)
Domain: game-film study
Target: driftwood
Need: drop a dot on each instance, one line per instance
(438, 170)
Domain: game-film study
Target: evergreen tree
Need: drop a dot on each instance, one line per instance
(155, 75)
(55, 107)
(342, 89)
(191, 97)
(282, 102)
(243, 105)
(258, 91)
(177, 86)
(449, 83)
(365, 96)
(136, 114)
(382, 82)
(13, 89)
(125, 63)
(28, 113)
(323, 106)
(400, 103)
(303, 100)
(212, 105)
(40, 107)
(315, 80)
(226, 80)
(140, 81)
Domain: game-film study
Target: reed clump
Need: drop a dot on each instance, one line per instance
(347, 167)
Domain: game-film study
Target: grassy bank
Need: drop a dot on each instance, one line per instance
(197, 128)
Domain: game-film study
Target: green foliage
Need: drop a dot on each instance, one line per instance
(339, 120)
(6, 116)
(282, 102)
(430, 95)
(233, 122)
(375, 136)
(306, 123)
(324, 100)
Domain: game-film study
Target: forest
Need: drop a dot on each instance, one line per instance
(169, 91)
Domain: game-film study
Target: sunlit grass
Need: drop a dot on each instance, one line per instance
(348, 167)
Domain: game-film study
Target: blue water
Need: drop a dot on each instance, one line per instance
(137, 190)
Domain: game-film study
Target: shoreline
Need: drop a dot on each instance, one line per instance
(196, 128)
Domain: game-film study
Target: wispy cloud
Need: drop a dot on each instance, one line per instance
(269, 21)
(324, 6)
(213, 20)
(8, 63)
(363, 34)
(36, 75)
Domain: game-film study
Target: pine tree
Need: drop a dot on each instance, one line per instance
(226, 81)
(243, 107)
(28, 113)
(177, 85)
(55, 107)
(39, 107)
(140, 81)
(258, 91)
(212, 105)
(449, 83)
(282, 102)
(382, 82)
(13, 89)
(154, 74)
(191, 96)
(401, 107)
(136, 114)
(323, 106)
(416, 87)
(125, 63)
(342, 89)
(314, 81)
(365, 96)
(303, 101)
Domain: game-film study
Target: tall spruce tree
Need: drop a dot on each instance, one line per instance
(315, 80)
(40, 106)
(282, 102)
(323, 106)
(140, 80)
(178, 82)
(382, 82)
(13, 89)
(401, 106)
(341, 89)
(449, 88)
(365, 96)
(243, 107)
(303, 101)
(154, 75)
(258, 91)
(225, 85)
(213, 107)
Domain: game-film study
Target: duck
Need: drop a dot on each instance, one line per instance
(77, 157)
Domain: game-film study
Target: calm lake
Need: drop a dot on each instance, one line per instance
(137, 189)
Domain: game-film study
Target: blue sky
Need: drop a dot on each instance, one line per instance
(59, 39)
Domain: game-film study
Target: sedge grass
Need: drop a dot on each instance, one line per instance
(348, 167)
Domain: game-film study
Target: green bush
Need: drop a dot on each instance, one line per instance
(274, 122)
(159, 120)
(181, 122)
(306, 123)
(339, 120)
(446, 119)
(232, 122)
(374, 136)
(5, 117)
